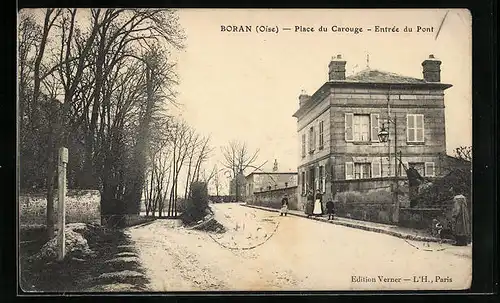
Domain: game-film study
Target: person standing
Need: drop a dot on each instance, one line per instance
(461, 220)
(309, 203)
(330, 209)
(284, 205)
(318, 207)
(414, 180)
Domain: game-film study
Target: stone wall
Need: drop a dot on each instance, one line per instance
(421, 218)
(81, 206)
(373, 212)
(272, 198)
(369, 200)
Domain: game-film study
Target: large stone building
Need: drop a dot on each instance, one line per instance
(338, 127)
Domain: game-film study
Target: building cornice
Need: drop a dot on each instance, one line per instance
(319, 95)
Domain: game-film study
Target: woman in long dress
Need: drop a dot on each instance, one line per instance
(318, 206)
(461, 220)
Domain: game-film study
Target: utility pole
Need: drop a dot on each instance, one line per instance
(396, 173)
(63, 159)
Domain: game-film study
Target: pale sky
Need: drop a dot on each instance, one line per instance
(245, 86)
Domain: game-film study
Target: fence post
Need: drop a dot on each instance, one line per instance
(63, 159)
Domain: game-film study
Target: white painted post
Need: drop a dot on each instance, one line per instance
(63, 159)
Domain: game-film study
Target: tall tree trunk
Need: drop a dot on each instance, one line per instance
(52, 163)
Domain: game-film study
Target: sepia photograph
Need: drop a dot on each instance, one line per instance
(208, 150)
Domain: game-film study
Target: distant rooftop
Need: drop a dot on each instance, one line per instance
(272, 173)
(376, 76)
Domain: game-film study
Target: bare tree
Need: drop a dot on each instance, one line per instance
(238, 158)
(115, 83)
(464, 153)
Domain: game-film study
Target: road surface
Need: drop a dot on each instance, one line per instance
(261, 251)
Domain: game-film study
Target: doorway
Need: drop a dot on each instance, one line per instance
(312, 179)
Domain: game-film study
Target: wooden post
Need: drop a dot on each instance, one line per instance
(63, 159)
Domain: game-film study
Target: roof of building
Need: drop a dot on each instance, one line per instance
(271, 173)
(369, 78)
(377, 76)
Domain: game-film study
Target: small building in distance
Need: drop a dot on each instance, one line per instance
(268, 181)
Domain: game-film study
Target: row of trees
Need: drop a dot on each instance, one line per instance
(98, 82)
(176, 149)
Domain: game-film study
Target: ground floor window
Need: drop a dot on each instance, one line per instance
(362, 170)
(355, 170)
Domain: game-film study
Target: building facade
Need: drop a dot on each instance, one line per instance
(338, 127)
(267, 181)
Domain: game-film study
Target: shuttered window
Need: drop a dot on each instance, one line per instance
(362, 170)
(429, 169)
(376, 170)
(349, 170)
(361, 128)
(303, 145)
(322, 178)
(374, 126)
(349, 136)
(321, 135)
(312, 140)
(415, 128)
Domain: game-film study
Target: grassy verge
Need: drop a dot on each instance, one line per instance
(78, 275)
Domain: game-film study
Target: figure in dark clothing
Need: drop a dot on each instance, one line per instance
(284, 205)
(461, 220)
(330, 209)
(414, 180)
(309, 203)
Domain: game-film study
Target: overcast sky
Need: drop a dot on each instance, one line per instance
(245, 86)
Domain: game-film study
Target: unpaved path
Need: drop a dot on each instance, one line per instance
(263, 251)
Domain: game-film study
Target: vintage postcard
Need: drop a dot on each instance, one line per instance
(244, 150)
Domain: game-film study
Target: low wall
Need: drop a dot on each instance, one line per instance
(81, 206)
(272, 198)
(373, 212)
(421, 218)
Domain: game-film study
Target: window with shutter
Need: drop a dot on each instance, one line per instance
(404, 168)
(419, 128)
(311, 140)
(316, 179)
(429, 169)
(375, 124)
(349, 127)
(321, 138)
(415, 128)
(349, 170)
(376, 171)
(362, 170)
(303, 145)
(322, 178)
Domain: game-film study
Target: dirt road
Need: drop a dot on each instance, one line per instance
(263, 251)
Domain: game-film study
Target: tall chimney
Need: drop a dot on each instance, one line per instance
(431, 69)
(303, 98)
(336, 68)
